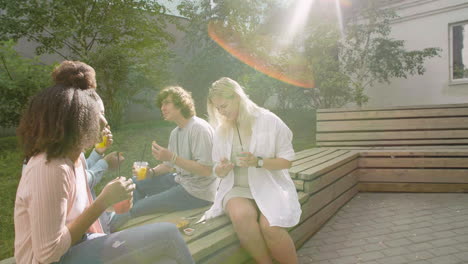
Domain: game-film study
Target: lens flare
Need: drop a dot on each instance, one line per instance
(277, 54)
(297, 73)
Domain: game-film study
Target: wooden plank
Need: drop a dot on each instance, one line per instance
(212, 242)
(327, 195)
(393, 135)
(331, 176)
(399, 162)
(165, 217)
(307, 152)
(232, 254)
(409, 152)
(413, 187)
(393, 114)
(420, 147)
(308, 159)
(306, 229)
(358, 109)
(296, 170)
(303, 197)
(414, 175)
(204, 228)
(327, 166)
(299, 184)
(372, 143)
(393, 124)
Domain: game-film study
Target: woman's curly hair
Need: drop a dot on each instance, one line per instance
(63, 118)
(181, 99)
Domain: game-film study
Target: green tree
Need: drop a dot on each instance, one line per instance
(332, 87)
(116, 31)
(204, 61)
(369, 55)
(19, 79)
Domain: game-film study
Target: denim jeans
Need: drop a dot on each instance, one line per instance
(162, 194)
(153, 243)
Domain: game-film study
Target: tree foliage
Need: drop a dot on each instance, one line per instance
(119, 38)
(342, 66)
(19, 79)
(369, 54)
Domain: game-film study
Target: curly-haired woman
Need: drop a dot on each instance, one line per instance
(56, 219)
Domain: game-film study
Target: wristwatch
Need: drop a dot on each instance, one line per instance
(259, 162)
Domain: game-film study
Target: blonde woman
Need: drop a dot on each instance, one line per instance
(252, 152)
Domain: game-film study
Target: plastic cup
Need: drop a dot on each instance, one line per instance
(238, 153)
(102, 144)
(189, 231)
(122, 207)
(141, 168)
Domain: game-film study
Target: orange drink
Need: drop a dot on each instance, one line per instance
(141, 168)
(122, 206)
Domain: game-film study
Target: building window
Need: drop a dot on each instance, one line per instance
(459, 47)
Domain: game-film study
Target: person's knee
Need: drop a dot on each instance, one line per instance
(269, 232)
(241, 215)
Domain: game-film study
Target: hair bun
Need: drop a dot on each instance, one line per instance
(75, 74)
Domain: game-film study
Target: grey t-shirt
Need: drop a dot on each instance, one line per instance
(194, 142)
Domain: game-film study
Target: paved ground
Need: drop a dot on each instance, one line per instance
(393, 228)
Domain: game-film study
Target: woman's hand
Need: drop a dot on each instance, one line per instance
(247, 160)
(117, 190)
(223, 168)
(160, 153)
(114, 159)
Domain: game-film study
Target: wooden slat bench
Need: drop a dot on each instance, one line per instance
(406, 149)
(439, 125)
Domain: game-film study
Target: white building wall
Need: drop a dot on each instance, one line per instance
(423, 24)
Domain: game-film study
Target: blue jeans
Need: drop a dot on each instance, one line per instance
(162, 194)
(153, 243)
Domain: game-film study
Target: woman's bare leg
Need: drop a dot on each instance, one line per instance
(279, 242)
(244, 215)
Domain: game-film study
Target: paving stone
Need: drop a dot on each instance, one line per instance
(442, 251)
(393, 260)
(398, 242)
(446, 260)
(419, 255)
(396, 251)
(419, 246)
(463, 255)
(370, 256)
(350, 251)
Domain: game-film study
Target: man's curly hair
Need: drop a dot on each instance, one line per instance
(181, 98)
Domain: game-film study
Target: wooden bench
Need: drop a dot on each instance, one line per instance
(406, 149)
(439, 125)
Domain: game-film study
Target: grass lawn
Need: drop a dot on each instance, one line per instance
(131, 140)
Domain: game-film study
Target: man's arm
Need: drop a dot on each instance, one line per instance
(192, 166)
(164, 154)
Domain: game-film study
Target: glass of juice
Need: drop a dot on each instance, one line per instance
(102, 144)
(141, 168)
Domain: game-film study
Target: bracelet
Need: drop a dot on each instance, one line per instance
(174, 157)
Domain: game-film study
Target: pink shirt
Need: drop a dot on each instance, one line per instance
(50, 195)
